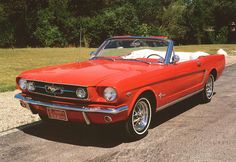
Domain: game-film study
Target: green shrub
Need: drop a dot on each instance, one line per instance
(219, 37)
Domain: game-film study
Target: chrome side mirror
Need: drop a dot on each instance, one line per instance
(175, 59)
(92, 54)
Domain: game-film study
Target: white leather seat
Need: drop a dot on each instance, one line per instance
(184, 56)
(195, 55)
(187, 56)
(144, 53)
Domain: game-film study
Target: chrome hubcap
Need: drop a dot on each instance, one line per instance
(209, 87)
(141, 116)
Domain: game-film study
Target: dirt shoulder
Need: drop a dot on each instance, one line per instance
(230, 60)
(12, 115)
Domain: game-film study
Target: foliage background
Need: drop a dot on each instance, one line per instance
(58, 23)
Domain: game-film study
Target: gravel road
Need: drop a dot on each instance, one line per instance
(11, 114)
(187, 131)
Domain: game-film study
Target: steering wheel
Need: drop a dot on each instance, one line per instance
(161, 58)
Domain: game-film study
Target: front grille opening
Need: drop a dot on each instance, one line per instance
(57, 90)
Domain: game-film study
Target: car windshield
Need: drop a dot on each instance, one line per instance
(145, 50)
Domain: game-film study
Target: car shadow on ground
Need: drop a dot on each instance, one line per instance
(172, 111)
(77, 134)
(101, 136)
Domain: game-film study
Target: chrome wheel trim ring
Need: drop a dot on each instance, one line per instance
(209, 87)
(141, 116)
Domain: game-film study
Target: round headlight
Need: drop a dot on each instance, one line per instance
(110, 94)
(23, 84)
(30, 86)
(81, 93)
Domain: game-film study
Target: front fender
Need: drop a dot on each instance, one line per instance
(136, 94)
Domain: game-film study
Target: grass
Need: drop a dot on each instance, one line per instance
(209, 48)
(14, 61)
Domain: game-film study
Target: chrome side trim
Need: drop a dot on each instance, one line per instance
(178, 100)
(66, 107)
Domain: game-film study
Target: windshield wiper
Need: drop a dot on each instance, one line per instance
(113, 59)
(137, 60)
(102, 57)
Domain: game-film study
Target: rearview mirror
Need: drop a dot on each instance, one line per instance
(175, 59)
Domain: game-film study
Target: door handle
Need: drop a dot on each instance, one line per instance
(199, 63)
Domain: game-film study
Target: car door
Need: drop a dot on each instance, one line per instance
(188, 76)
(184, 78)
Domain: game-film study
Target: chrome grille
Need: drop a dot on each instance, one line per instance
(57, 90)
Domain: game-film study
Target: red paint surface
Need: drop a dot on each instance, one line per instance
(173, 80)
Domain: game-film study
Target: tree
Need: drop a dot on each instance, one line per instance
(55, 25)
(59, 23)
(118, 20)
(173, 20)
(47, 33)
(7, 37)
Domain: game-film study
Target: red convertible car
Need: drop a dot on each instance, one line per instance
(126, 80)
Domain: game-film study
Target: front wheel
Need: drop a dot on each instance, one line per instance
(138, 123)
(207, 93)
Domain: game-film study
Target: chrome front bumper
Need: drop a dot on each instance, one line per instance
(65, 107)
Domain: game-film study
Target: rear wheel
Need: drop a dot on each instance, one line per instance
(207, 93)
(138, 123)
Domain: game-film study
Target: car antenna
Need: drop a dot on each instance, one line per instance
(80, 44)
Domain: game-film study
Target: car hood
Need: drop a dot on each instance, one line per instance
(88, 73)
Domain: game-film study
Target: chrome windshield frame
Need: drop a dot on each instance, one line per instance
(169, 50)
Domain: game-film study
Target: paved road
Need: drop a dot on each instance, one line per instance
(187, 131)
